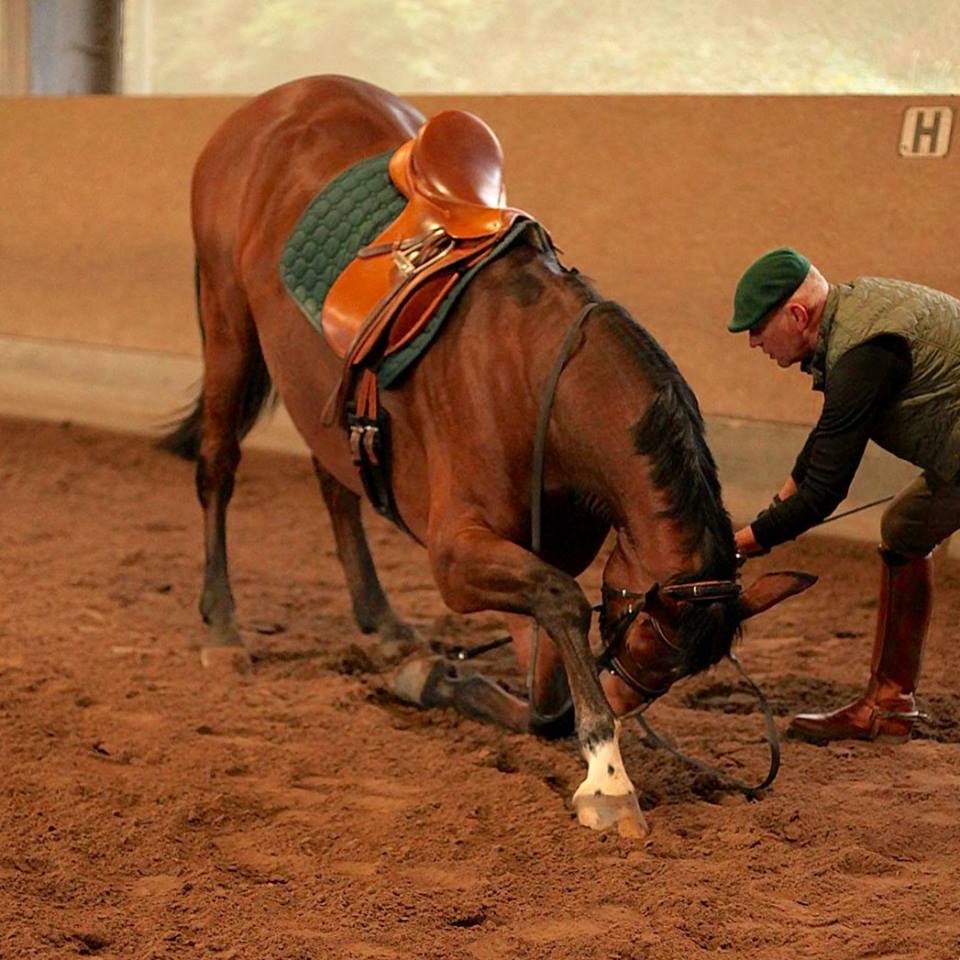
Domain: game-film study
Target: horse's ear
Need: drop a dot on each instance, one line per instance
(767, 591)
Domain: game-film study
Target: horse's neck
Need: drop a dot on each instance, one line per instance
(608, 385)
(600, 460)
(601, 399)
(654, 555)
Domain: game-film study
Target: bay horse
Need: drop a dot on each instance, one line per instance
(624, 448)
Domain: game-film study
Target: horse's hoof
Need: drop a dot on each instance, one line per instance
(226, 659)
(419, 681)
(602, 811)
(391, 651)
(394, 630)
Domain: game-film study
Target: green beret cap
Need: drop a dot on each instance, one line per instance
(766, 284)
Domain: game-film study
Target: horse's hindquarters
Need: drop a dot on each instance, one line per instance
(256, 175)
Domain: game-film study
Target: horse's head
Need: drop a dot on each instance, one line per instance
(653, 639)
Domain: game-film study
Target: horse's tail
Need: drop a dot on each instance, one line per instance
(182, 436)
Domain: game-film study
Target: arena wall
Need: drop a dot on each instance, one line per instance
(661, 200)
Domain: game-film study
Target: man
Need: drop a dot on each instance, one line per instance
(886, 355)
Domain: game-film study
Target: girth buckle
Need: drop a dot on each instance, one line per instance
(363, 437)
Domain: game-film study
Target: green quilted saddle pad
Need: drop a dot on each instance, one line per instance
(346, 216)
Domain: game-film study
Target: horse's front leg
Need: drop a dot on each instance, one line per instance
(476, 570)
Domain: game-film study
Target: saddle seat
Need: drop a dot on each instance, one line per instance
(451, 173)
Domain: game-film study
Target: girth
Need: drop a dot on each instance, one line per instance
(368, 429)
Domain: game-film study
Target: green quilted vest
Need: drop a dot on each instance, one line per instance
(922, 424)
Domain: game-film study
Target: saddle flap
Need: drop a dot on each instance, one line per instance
(370, 292)
(418, 309)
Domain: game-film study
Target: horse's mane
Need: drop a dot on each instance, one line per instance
(671, 433)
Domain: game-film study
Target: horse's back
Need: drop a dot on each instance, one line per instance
(270, 157)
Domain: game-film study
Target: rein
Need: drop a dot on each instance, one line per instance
(539, 455)
(772, 734)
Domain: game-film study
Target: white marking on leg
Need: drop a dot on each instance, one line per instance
(606, 777)
(605, 771)
(606, 798)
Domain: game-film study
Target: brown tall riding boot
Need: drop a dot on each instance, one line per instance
(887, 711)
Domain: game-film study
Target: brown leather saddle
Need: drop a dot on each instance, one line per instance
(452, 176)
(451, 173)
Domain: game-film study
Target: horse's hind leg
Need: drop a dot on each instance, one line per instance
(233, 371)
(371, 608)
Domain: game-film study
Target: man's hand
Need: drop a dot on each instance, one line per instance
(747, 545)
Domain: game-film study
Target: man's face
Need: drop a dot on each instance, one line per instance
(782, 335)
